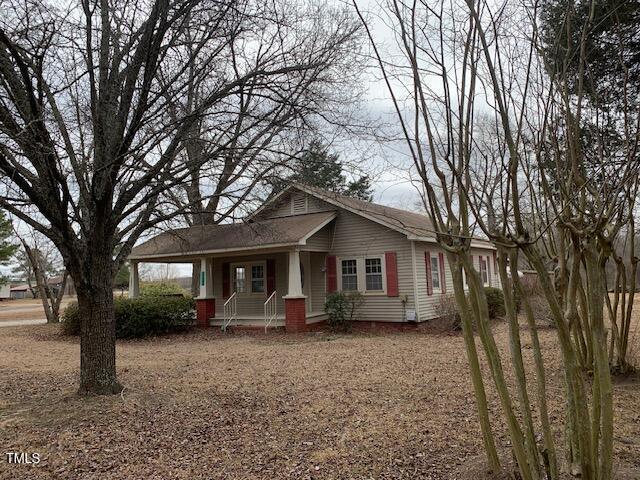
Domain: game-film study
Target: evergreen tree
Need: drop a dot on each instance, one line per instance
(318, 167)
(7, 249)
(612, 46)
(122, 278)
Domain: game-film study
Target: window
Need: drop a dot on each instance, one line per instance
(257, 278)
(349, 275)
(248, 278)
(435, 273)
(239, 277)
(373, 270)
(362, 274)
(483, 271)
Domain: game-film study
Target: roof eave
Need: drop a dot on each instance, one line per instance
(201, 253)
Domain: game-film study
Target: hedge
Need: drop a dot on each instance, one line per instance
(140, 317)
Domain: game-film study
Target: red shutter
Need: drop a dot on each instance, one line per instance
(226, 280)
(427, 267)
(271, 276)
(391, 266)
(443, 276)
(489, 270)
(332, 276)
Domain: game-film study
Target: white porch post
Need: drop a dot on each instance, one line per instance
(206, 278)
(134, 281)
(295, 278)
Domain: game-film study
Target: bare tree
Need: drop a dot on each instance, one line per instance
(89, 143)
(454, 61)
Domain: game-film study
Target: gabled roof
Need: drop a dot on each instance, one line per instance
(414, 225)
(209, 239)
(410, 223)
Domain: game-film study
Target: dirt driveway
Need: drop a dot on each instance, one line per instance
(26, 311)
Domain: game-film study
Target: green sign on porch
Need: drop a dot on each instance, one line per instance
(202, 278)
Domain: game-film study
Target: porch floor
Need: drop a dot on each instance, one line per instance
(258, 320)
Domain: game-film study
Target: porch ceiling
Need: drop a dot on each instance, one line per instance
(201, 240)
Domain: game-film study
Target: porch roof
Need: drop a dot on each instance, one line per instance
(210, 239)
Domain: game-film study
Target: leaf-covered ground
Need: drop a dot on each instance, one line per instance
(206, 405)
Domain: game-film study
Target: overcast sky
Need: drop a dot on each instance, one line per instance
(387, 164)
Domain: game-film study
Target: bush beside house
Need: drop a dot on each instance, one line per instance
(160, 289)
(447, 309)
(342, 309)
(141, 317)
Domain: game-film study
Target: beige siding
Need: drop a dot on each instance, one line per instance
(318, 291)
(282, 207)
(320, 240)
(428, 303)
(356, 236)
(251, 304)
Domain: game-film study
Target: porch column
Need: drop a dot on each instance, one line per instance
(294, 301)
(134, 281)
(206, 302)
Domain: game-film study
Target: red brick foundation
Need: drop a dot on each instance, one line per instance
(205, 309)
(295, 315)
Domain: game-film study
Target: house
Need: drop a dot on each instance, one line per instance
(277, 267)
(5, 291)
(20, 291)
(55, 283)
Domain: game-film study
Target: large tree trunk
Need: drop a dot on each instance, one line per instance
(98, 331)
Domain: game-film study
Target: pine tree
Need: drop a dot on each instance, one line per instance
(320, 168)
(7, 249)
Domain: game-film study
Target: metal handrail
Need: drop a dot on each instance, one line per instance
(270, 310)
(230, 311)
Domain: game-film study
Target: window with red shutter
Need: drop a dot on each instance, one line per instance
(391, 266)
(443, 277)
(427, 267)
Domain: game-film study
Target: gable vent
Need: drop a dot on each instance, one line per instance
(298, 203)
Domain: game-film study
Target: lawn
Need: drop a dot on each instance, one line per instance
(206, 405)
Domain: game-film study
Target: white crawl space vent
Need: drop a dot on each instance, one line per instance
(298, 203)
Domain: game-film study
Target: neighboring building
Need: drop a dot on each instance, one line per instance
(5, 291)
(305, 243)
(55, 283)
(20, 291)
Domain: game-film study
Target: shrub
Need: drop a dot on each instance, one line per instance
(161, 289)
(71, 320)
(342, 309)
(495, 301)
(140, 317)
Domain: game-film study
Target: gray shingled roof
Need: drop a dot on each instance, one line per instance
(235, 236)
(409, 223)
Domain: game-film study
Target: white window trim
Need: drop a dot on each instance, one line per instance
(482, 258)
(465, 285)
(248, 280)
(362, 274)
(436, 257)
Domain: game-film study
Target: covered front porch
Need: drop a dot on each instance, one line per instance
(254, 284)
